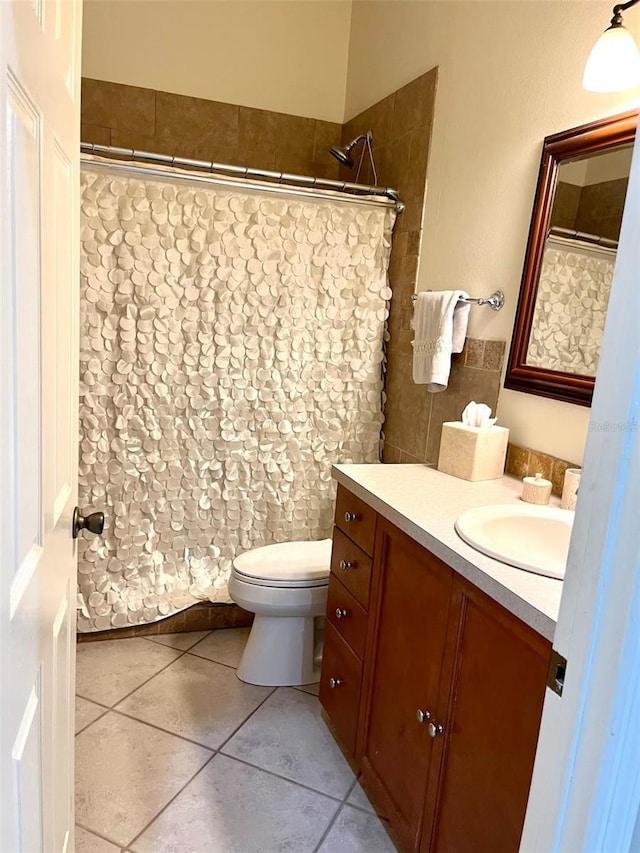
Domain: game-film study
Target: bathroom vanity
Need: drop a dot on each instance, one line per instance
(435, 659)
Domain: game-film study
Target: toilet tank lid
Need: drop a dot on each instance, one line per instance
(287, 561)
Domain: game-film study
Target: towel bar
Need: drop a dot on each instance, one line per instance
(495, 301)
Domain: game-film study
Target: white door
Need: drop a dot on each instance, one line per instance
(39, 282)
(585, 792)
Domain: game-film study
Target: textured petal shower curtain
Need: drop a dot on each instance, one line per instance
(231, 351)
(571, 307)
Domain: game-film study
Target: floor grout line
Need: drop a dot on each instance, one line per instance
(131, 716)
(99, 717)
(329, 828)
(363, 809)
(161, 729)
(130, 843)
(263, 769)
(128, 848)
(100, 835)
(168, 646)
(93, 701)
(246, 720)
(211, 660)
(336, 815)
(279, 776)
(351, 789)
(301, 688)
(142, 683)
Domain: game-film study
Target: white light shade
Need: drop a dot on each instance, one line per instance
(614, 62)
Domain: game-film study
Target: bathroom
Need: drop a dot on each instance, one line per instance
(459, 108)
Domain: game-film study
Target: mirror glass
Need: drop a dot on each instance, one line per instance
(570, 258)
(577, 262)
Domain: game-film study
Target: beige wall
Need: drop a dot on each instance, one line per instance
(288, 56)
(509, 75)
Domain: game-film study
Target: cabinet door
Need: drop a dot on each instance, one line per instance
(499, 668)
(340, 685)
(411, 601)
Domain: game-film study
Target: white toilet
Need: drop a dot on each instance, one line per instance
(285, 585)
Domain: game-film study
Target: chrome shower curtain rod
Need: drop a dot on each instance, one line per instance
(569, 234)
(263, 179)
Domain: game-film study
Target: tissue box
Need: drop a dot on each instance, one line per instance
(473, 453)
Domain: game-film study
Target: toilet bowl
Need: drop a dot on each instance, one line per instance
(285, 585)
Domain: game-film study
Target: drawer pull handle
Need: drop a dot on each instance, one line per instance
(350, 516)
(341, 613)
(435, 729)
(423, 716)
(335, 682)
(345, 565)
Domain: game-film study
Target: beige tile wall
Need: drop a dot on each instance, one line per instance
(132, 117)
(401, 125)
(524, 462)
(414, 417)
(601, 208)
(595, 209)
(199, 617)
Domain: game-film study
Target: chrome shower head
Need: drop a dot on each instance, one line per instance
(342, 155)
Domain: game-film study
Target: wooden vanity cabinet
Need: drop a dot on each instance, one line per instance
(496, 677)
(347, 618)
(340, 687)
(404, 661)
(439, 707)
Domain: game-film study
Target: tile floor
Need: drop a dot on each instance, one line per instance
(175, 755)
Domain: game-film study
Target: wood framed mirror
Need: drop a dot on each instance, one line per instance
(570, 258)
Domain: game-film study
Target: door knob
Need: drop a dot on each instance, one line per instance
(94, 522)
(435, 729)
(341, 613)
(422, 716)
(335, 682)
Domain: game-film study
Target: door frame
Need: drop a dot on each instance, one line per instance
(585, 793)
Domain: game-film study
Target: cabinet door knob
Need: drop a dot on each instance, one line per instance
(435, 730)
(345, 565)
(350, 516)
(334, 682)
(423, 716)
(341, 613)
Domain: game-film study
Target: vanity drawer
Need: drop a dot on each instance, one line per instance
(342, 669)
(347, 616)
(351, 566)
(356, 519)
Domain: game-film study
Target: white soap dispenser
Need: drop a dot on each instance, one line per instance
(536, 490)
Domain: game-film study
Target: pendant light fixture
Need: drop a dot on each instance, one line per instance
(614, 62)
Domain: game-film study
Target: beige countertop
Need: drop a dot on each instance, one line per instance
(425, 503)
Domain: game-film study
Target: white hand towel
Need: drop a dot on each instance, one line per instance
(440, 323)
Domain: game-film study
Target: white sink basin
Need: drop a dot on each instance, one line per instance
(535, 538)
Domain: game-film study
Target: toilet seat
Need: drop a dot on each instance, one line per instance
(285, 586)
(286, 565)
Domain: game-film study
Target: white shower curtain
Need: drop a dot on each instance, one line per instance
(571, 306)
(231, 350)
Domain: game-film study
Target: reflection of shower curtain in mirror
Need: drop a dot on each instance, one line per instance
(231, 349)
(571, 307)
